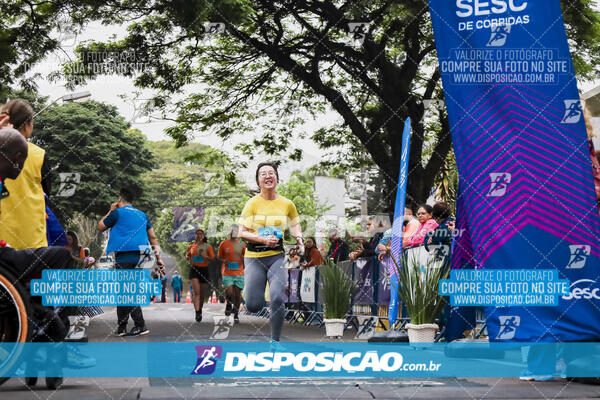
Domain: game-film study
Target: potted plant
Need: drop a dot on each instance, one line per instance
(337, 291)
(418, 290)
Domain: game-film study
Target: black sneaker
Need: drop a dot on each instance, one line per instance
(236, 318)
(120, 331)
(198, 316)
(138, 331)
(228, 309)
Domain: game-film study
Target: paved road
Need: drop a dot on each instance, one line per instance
(174, 322)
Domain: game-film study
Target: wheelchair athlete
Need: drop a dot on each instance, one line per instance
(22, 318)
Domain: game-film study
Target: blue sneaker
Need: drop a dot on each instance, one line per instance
(529, 376)
(276, 347)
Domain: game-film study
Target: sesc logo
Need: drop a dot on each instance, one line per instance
(582, 289)
(207, 359)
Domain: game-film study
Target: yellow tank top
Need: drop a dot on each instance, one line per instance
(23, 212)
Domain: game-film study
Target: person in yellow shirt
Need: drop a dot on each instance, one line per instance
(23, 213)
(264, 220)
(199, 253)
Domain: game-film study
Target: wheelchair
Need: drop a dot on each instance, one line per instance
(24, 319)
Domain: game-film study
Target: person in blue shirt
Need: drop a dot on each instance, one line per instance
(130, 234)
(177, 285)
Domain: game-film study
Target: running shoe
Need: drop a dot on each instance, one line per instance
(276, 347)
(138, 331)
(77, 360)
(529, 376)
(236, 318)
(198, 316)
(120, 331)
(228, 309)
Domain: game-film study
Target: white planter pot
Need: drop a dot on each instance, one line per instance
(334, 327)
(422, 333)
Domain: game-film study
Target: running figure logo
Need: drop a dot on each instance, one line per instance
(573, 112)
(68, 183)
(223, 325)
(207, 359)
(499, 184)
(358, 30)
(498, 36)
(508, 326)
(579, 255)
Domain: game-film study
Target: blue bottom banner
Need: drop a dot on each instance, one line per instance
(299, 359)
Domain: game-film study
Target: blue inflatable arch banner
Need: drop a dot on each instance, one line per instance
(526, 194)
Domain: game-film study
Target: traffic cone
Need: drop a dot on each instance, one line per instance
(188, 298)
(213, 299)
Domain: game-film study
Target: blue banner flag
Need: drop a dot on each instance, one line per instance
(526, 195)
(398, 224)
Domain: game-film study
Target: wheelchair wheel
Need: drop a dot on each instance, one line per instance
(15, 311)
(31, 381)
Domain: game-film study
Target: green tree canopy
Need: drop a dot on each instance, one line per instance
(31, 30)
(288, 60)
(94, 141)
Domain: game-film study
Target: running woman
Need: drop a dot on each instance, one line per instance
(264, 220)
(199, 253)
(231, 253)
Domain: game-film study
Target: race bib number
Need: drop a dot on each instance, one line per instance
(198, 259)
(270, 231)
(233, 265)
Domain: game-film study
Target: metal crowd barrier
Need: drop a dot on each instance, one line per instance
(368, 303)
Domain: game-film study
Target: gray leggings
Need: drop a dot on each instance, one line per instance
(257, 271)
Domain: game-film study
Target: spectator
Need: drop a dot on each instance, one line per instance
(73, 246)
(427, 224)
(594, 154)
(338, 249)
(369, 249)
(312, 256)
(23, 213)
(130, 233)
(442, 235)
(409, 227)
(177, 285)
(411, 224)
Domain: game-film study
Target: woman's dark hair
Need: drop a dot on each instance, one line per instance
(427, 208)
(205, 240)
(19, 111)
(74, 238)
(267, 164)
(441, 210)
(306, 255)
